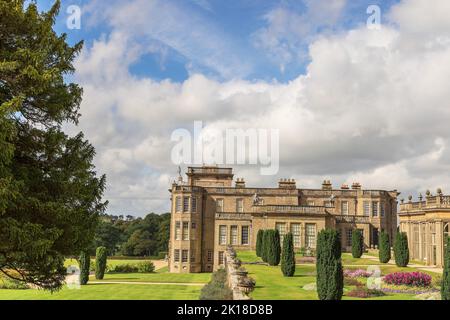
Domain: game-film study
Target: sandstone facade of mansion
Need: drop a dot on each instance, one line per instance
(426, 223)
(211, 210)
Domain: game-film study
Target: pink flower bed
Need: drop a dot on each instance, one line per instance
(358, 273)
(416, 279)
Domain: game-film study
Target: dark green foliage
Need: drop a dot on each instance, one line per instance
(445, 286)
(272, 247)
(288, 256)
(264, 246)
(85, 263)
(50, 195)
(259, 242)
(384, 247)
(217, 288)
(330, 278)
(100, 263)
(141, 267)
(357, 244)
(401, 251)
(145, 237)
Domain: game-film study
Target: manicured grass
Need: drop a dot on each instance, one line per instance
(271, 285)
(248, 256)
(110, 262)
(158, 277)
(124, 291)
(109, 292)
(347, 259)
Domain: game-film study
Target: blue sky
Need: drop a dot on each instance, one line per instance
(351, 103)
(239, 23)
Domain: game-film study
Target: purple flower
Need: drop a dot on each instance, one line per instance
(413, 279)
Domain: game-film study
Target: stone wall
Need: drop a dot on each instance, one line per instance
(238, 280)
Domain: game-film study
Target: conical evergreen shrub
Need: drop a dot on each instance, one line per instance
(259, 242)
(100, 263)
(357, 244)
(401, 250)
(264, 246)
(85, 264)
(288, 256)
(330, 278)
(384, 247)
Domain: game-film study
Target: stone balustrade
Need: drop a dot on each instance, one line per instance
(238, 280)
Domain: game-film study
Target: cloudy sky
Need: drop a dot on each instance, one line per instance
(351, 103)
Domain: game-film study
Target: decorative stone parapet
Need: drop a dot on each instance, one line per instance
(238, 280)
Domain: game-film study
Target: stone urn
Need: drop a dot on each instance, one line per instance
(236, 263)
(241, 272)
(247, 285)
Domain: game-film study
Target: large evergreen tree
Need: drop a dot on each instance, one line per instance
(357, 244)
(50, 196)
(401, 250)
(384, 247)
(330, 278)
(259, 242)
(445, 286)
(288, 256)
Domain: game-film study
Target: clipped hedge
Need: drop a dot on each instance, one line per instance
(288, 256)
(401, 250)
(85, 262)
(330, 278)
(357, 244)
(100, 262)
(384, 247)
(259, 242)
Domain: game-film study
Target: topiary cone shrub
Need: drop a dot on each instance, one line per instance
(288, 256)
(445, 286)
(401, 250)
(330, 278)
(384, 247)
(85, 263)
(271, 249)
(357, 244)
(263, 245)
(100, 263)
(259, 242)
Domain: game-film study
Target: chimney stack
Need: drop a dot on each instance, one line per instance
(326, 185)
(287, 184)
(356, 186)
(240, 183)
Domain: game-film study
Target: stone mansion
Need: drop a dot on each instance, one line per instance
(210, 211)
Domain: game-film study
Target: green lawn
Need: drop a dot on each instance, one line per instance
(158, 277)
(110, 262)
(109, 292)
(126, 291)
(271, 285)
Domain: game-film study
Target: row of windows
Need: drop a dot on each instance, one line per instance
(239, 205)
(234, 239)
(184, 255)
(182, 230)
(182, 204)
(367, 206)
(295, 229)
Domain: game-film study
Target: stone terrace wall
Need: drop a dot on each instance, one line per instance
(238, 280)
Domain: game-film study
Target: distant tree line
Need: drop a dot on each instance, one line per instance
(131, 236)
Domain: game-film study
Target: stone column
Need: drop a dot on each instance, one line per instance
(439, 243)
